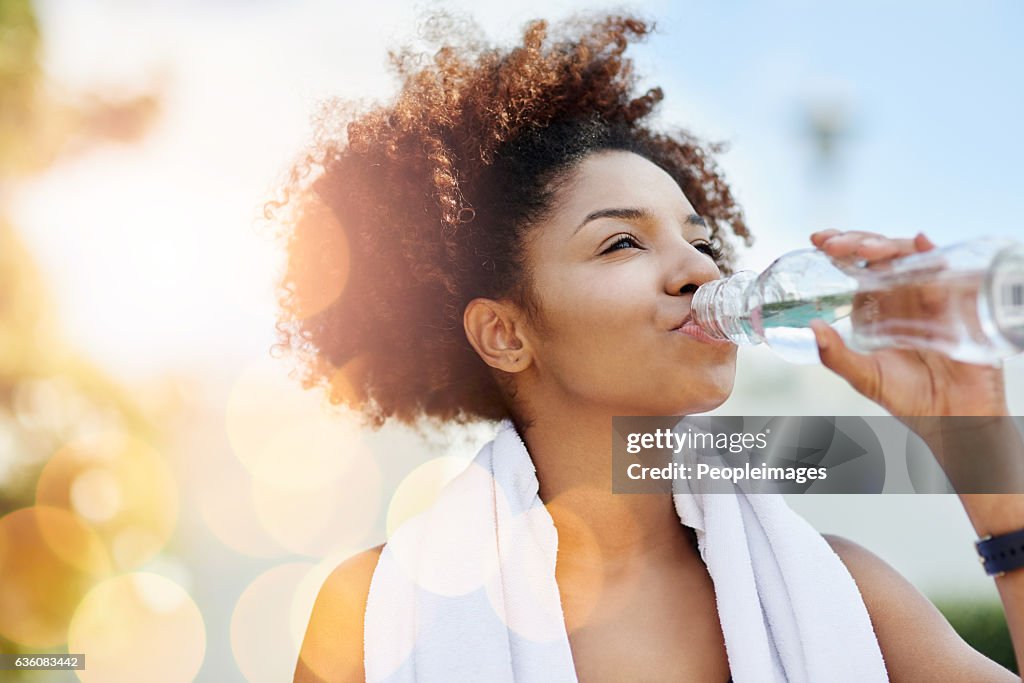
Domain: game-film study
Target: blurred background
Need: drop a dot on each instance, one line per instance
(170, 502)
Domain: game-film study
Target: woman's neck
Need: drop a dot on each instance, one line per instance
(598, 528)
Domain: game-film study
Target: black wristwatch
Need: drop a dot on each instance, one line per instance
(1001, 554)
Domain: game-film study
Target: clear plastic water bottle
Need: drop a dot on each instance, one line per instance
(964, 300)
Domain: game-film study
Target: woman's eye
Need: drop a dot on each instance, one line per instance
(627, 240)
(707, 248)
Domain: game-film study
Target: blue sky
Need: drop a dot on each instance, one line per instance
(934, 96)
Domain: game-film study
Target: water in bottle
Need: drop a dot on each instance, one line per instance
(964, 300)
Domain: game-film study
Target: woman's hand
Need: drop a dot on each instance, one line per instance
(903, 381)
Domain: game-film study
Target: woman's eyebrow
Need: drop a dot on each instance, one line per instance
(632, 214)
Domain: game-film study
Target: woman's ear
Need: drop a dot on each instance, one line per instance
(494, 330)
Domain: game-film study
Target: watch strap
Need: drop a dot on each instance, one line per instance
(1002, 553)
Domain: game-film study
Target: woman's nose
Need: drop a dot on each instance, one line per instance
(691, 269)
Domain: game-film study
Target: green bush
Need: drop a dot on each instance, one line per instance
(983, 625)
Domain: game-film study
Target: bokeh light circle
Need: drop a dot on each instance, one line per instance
(121, 486)
(588, 583)
(229, 511)
(138, 627)
(96, 495)
(451, 532)
(283, 434)
(262, 640)
(48, 560)
(321, 520)
(421, 487)
(320, 261)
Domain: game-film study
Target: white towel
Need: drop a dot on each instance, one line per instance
(466, 590)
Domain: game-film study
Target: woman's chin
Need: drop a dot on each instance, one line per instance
(711, 396)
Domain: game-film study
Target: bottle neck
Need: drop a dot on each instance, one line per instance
(702, 308)
(719, 308)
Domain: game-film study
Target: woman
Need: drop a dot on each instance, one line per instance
(509, 239)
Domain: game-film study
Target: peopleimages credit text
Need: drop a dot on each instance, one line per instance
(668, 439)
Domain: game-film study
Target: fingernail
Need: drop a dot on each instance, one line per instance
(871, 242)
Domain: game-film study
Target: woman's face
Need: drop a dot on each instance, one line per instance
(615, 266)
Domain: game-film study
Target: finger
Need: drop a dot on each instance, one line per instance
(868, 246)
(846, 244)
(922, 243)
(860, 370)
(873, 249)
(857, 233)
(878, 253)
(817, 238)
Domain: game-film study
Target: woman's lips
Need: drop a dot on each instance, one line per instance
(694, 330)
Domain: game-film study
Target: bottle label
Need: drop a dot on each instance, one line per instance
(1009, 293)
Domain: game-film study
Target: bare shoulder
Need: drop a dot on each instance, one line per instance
(917, 642)
(332, 649)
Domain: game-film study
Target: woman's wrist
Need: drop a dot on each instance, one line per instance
(992, 514)
(983, 459)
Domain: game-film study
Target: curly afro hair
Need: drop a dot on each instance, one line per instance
(401, 213)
